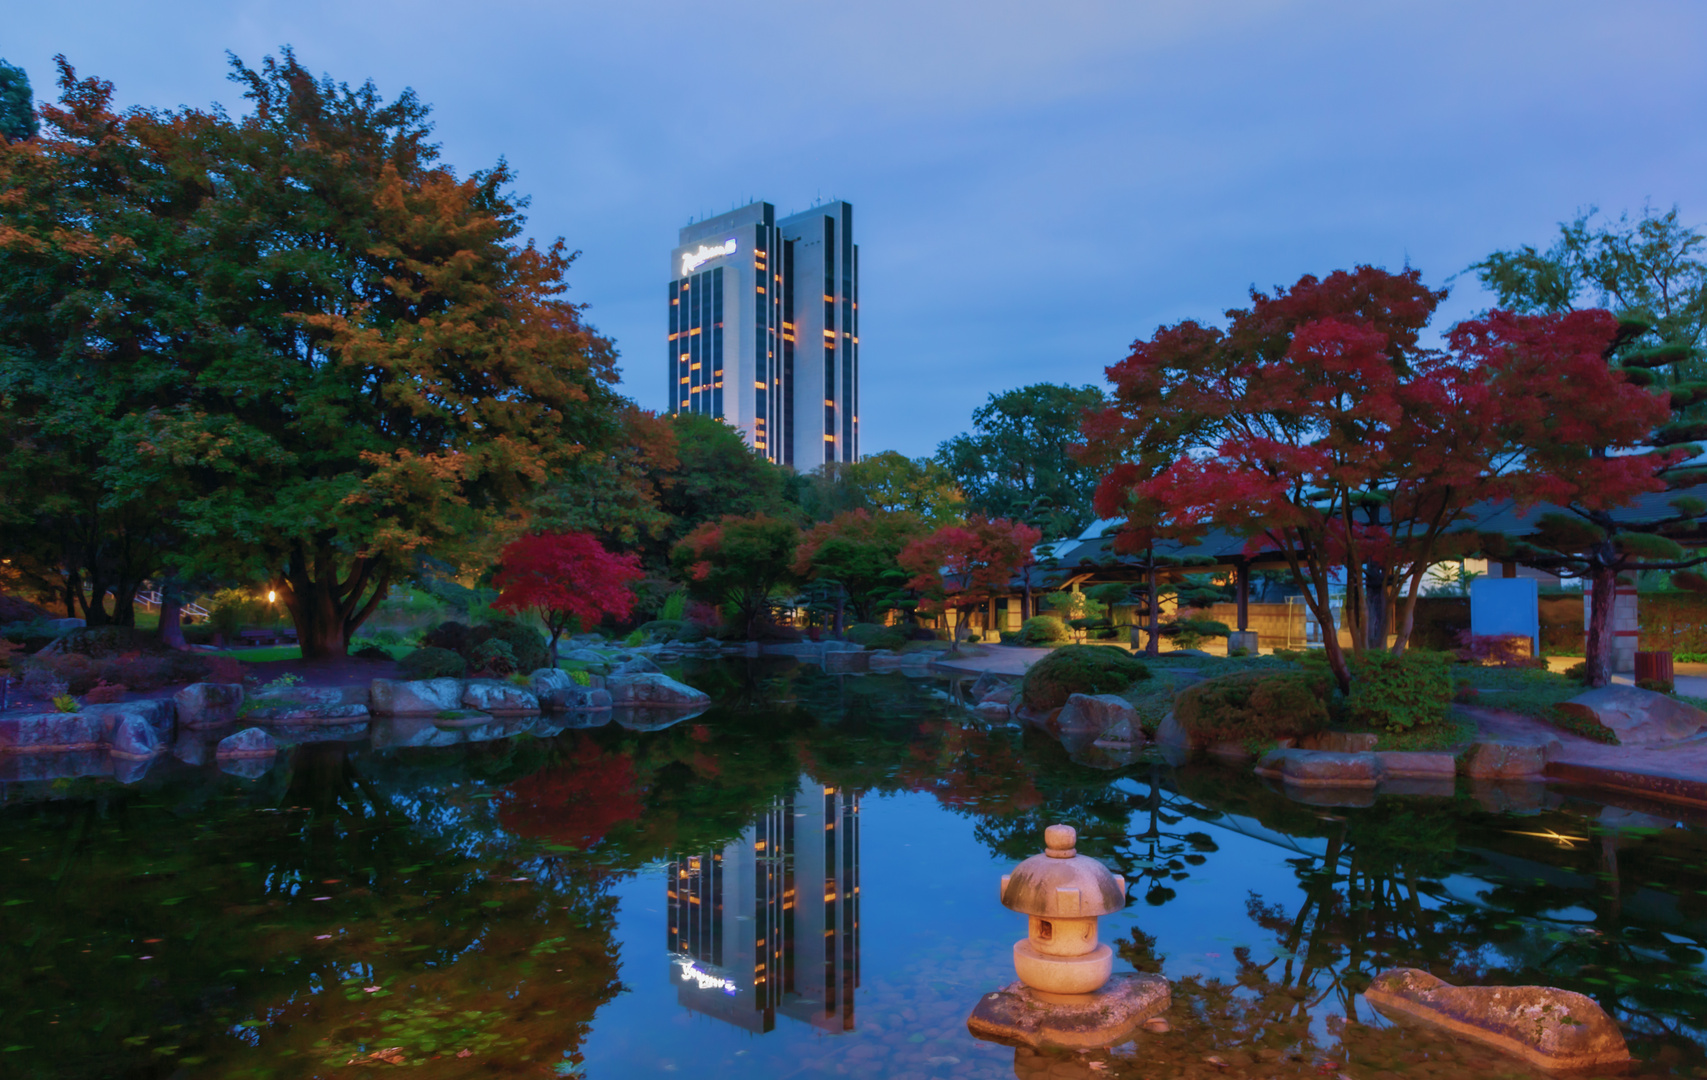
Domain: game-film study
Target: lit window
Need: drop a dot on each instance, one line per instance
(684, 356)
(827, 401)
(829, 298)
(694, 331)
(829, 438)
(693, 367)
(673, 337)
(761, 386)
(684, 403)
(856, 341)
(827, 333)
(684, 378)
(761, 288)
(718, 384)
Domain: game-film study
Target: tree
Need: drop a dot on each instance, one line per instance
(616, 495)
(328, 352)
(965, 565)
(1311, 424)
(889, 482)
(738, 562)
(17, 104)
(1019, 451)
(567, 579)
(1652, 274)
(858, 554)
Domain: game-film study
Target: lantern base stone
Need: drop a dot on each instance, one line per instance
(1063, 974)
(1020, 1016)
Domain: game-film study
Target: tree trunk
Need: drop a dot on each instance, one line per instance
(841, 612)
(1375, 605)
(171, 631)
(1153, 646)
(325, 609)
(1603, 593)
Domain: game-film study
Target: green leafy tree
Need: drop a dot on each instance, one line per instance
(1020, 451)
(17, 104)
(889, 482)
(320, 353)
(857, 554)
(738, 562)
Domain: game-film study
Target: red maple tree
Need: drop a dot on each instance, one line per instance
(567, 578)
(965, 564)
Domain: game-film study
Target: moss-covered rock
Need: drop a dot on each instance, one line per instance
(1257, 705)
(1079, 669)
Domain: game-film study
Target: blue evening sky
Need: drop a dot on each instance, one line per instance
(1035, 184)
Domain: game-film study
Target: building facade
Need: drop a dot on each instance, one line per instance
(769, 923)
(764, 329)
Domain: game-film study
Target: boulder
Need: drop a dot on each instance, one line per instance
(1110, 717)
(1001, 695)
(655, 690)
(988, 683)
(498, 698)
(248, 743)
(49, 733)
(1321, 768)
(417, 697)
(1417, 764)
(1638, 716)
(1018, 1014)
(855, 659)
(640, 665)
(1501, 760)
(135, 738)
(158, 713)
(1545, 1026)
(992, 712)
(310, 706)
(202, 704)
(585, 656)
(1340, 742)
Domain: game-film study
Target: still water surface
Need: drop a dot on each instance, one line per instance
(799, 882)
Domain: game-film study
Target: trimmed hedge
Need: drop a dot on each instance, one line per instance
(1397, 693)
(874, 636)
(1043, 630)
(1079, 669)
(433, 663)
(1251, 705)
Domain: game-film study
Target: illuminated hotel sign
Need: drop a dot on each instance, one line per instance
(693, 260)
(691, 973)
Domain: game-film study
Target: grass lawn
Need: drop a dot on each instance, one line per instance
(1531, 693)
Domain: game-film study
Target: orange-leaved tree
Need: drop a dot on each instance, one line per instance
(966, 564)
(858, 553)
(567, 579)
(737, 562)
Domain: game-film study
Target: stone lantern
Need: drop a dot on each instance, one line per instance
(1062, 893)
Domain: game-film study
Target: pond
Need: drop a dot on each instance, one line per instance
(799, 882)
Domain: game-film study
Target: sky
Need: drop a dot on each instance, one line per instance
(1035, 184)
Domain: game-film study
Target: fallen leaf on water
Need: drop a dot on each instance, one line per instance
(391, 1055)
(1215, 1061)
(465, 1053)
(1099, 1066)
(321, 937)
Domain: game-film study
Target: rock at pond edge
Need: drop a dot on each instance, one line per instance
(248, 743)
(1552, 1028)
(1016, 1014)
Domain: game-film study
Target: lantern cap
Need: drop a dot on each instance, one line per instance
(1060, 883)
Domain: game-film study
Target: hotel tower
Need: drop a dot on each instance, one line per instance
(764, 329)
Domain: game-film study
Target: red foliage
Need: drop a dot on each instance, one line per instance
(1496, 650)
(576, 802)
(565, 576)
(104, 693)
(964, 565)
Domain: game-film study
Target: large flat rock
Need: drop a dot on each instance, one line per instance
(1555, 1029)
(1107, 716)
(206, 705)
(1638, 716)
(1019, 1015)
(654, 690)
(414, 697)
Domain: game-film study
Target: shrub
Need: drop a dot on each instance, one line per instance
(33, 636)
(103, 641)
(450, 635)
(1043, 630)
(494, 657)
(1658, 686)
(1578, 672)
(387, 637)
(1193, 632)
(674, 608)
(1254, 705)
(1496, 650)
(636, 638)
(581, 677)
(921, 633)
(65, 703)
(874, 636)
(660, 630)
(433, 663)
(1079, 669)
(41, 679)
(372, 652)
(104, 693)
(1397, 693)
(527, 645)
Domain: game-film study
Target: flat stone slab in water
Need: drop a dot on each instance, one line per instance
(1555, 1029)
(1017, 1014)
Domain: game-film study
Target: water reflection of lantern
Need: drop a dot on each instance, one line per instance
(1063, 893)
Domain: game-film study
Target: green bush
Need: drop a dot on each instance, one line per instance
(449, 634)
(674, 608)
(494, 657)
(433, 663)
(526, 644)
(873, 636)
(1043, 630)
(661, 630)
(1079, 669)
(1254, 705)
(1193, 632)
(1397, 693)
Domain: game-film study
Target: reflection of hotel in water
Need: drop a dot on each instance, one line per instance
(770, 923)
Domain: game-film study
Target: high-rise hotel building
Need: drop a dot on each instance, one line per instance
(764, 329)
